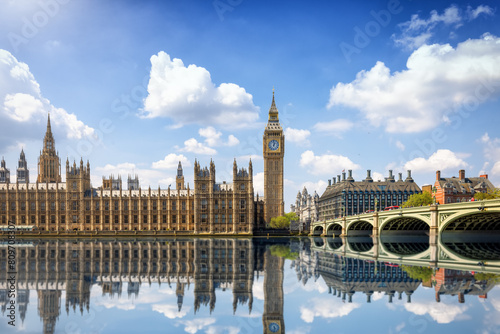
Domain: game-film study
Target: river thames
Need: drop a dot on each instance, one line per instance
(245, 285)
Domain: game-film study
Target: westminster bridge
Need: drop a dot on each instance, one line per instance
(437, 235)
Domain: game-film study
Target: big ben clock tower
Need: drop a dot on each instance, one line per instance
(274, 151)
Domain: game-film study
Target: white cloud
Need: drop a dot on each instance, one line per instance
(318, 186)
(193, 146)
(147, 177)
(481, 9)
(23, 108)
(326, 308)
(193, 326)
(213, 137)
(222, 329)
(170, 311)
(336, 127)
(400, 145)
(298, 136)
(188, 95)
(418, 31)
(442, 313)
(325, 164)
(258, 184)
(171, 161)
(439, 80)
(439, 160)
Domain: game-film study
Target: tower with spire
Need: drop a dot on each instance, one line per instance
(49, 164)
(4, 172)
(179, 181)
(23, 174)
(274, 152)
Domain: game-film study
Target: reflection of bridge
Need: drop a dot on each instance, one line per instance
(453, 253)
(468, 216)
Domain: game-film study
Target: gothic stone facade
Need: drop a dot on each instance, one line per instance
(49, 205)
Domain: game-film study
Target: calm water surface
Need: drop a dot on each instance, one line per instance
(250, 286)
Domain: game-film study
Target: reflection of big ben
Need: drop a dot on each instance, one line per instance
(274, 151)
(272, 318)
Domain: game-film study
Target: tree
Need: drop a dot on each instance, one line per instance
(283, 221)
(283, 251)
(279, 222)
(491, 194)
(418, 273)
(418, 200)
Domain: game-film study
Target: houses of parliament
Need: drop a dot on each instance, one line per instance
(50, 205)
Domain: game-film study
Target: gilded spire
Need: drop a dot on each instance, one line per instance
(273, 111)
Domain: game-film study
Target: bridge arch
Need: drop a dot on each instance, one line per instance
(359, 228)
(404, 223)
(473, 220)
(334, 229)
(318, 230)
(334, 243)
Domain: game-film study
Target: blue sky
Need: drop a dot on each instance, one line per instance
(136, 86)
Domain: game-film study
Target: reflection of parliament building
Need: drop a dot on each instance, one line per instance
(53, 266)
(51, 205)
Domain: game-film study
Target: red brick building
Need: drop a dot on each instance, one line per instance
(462, 189)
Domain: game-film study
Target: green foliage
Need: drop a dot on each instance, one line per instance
(283, 221)
(487, 277)
(418, 200)
(283, 251)
(491, 194)
(418, 273)
(279, 222)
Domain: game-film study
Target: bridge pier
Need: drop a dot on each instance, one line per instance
(344, 228)
(433, 236)
(375, 224)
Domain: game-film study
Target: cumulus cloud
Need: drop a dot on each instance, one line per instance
(171, 161)
(186, 94)
(193, 146)
(326, 308)
(258, 184)
(193, 326)
(23, 109)
(213, 137)
(438, 81)
(170, 311)
(441, 313)
(326, 163)
(440, 160)
(298, 136)
(147, 177)
(419, 31)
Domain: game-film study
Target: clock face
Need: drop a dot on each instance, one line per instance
(273, 145)
(274, 327)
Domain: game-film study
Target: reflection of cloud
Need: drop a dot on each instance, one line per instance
(258, 290)
(146, 296)
(326, 308)
(170, 311)
(193, 326)
(442, 313)
(222, 329)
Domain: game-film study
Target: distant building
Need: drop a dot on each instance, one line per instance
(307, 209)
(345, 197)
(462, 189)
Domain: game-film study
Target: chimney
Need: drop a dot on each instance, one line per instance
(408, 178)
(343, 176)
(338, 178)
(390, 174)
(438, 175)
(461, 174)
(334, 180)
(400, 177)
(350, 178)
(369, 176)
(329, 182)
